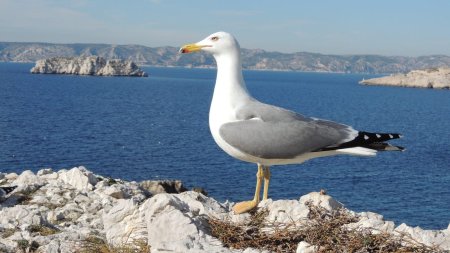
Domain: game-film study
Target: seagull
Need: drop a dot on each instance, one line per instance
(267, 135)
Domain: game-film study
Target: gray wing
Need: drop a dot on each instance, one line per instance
(275, 133)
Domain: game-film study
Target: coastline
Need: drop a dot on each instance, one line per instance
(435, 78)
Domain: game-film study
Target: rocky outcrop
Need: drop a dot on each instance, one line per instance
(438, 78)
(251, 58)
(92, 65)
(62, 211)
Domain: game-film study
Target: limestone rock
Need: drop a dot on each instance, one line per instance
(11, 176)
(115, 191)
(285, 211)
(43, 172)
(91, 65)
(178, 223)
(125, 223)
(439, 238)
(75, 205)
(304, 247)
(373, 221)
(438, 78)
(322, 200)
(27, 178)
(79, 177)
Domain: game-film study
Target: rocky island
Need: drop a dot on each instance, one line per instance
(91, 65)
(252, 59)
(438, 78)
(77, 211)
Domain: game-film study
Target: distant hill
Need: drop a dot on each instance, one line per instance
(252, 58)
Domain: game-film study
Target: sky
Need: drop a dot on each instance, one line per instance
(385, 27)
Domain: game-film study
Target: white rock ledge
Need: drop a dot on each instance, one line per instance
(78, 204)
(92, 65)
(438, 78)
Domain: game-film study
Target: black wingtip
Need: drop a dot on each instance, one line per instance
(375, 141)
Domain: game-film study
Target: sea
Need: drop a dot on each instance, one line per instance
(157, 128)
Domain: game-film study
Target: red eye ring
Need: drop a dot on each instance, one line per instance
(215, 38)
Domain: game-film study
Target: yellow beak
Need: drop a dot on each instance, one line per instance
(190, 48)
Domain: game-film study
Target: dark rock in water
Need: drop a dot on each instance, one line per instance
(92, 65)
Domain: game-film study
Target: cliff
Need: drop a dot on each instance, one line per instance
(77, 211)
(255, 59)
(438, 78)
(92, 65)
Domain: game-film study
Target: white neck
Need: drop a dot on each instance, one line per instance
(230, 90)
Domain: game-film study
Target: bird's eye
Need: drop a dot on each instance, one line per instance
(215, 38)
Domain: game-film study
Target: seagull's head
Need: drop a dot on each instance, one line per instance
(216, 44)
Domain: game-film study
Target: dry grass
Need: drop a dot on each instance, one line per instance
(251, 234)
(7, 232)
(325, 229)
(42, 230)
(99, 245)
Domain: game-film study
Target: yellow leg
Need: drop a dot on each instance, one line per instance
(246, 206)
(266, 182)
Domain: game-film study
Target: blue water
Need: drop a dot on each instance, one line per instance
(157, 127)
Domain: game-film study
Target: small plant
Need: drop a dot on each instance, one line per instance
(42, 230)
(25, 246)
(9, 232)
(22, 245)
(97, 244)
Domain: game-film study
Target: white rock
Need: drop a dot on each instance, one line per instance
(71, 211)
(173, 226)
(285, 211)
(304, 247)
(44, 172)
(116, 191)
(20, 215)
(55, 216)
(323, 200)
(27, 178)
(125, 223)
(428, 237)
(11, 176)
(79, 177)
(51, 177)
(52, 247)
(373, 221)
